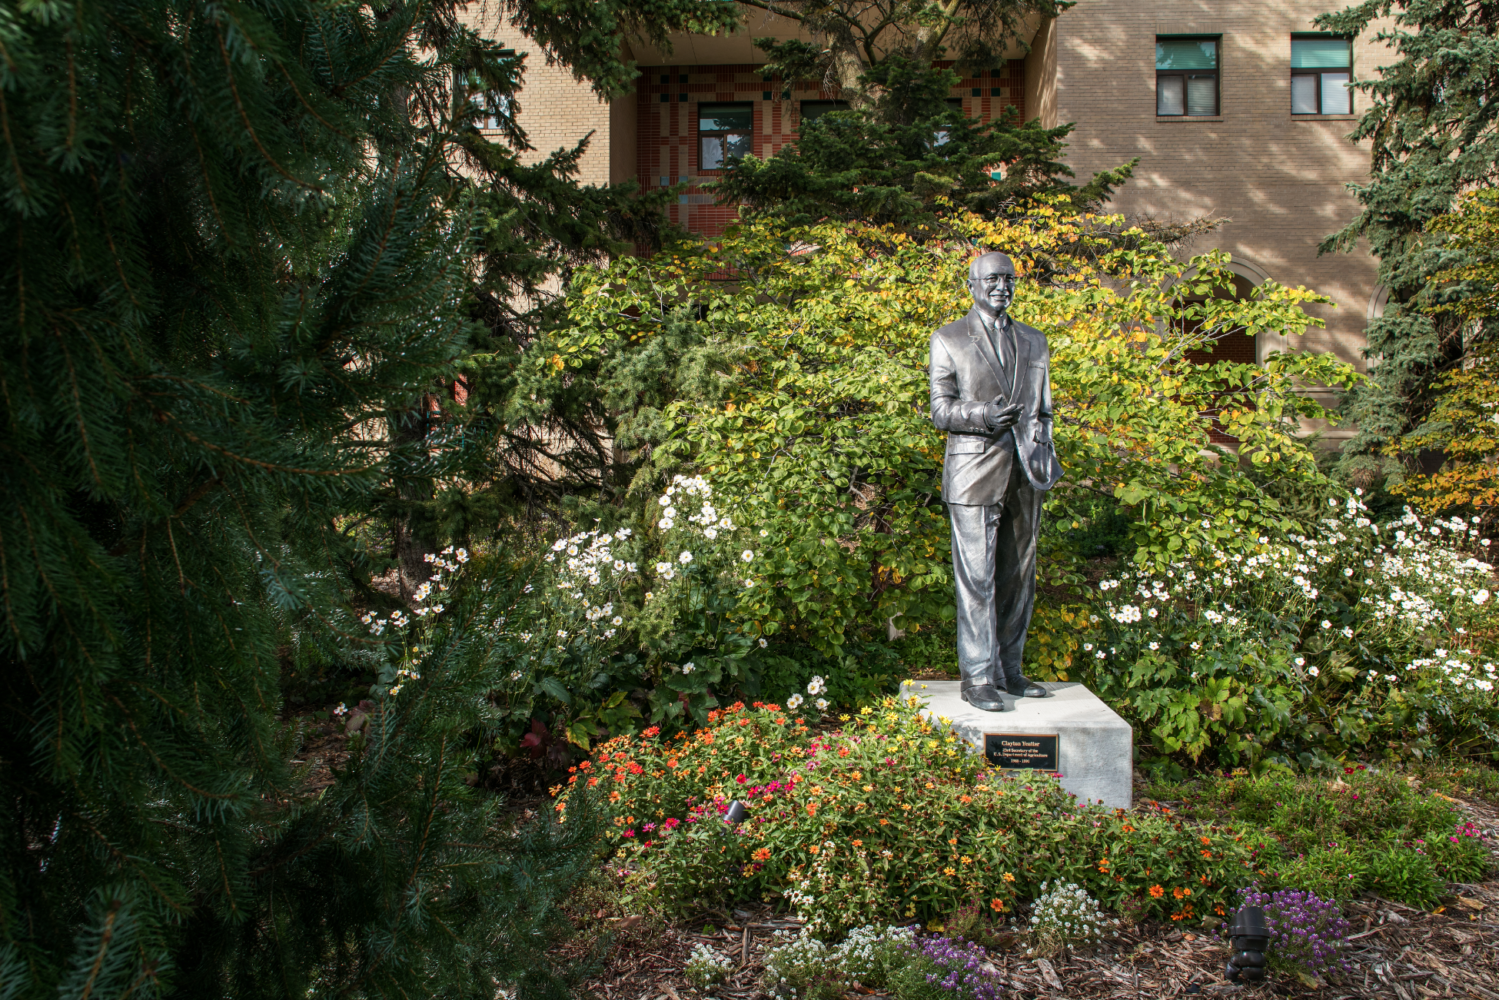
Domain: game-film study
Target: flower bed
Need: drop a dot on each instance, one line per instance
(889, 818)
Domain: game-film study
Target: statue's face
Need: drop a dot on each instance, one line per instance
(993, 284)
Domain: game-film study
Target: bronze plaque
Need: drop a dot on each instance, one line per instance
(1021, 750)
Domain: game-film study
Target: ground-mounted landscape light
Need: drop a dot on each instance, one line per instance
(1249, 939)
(736, 813)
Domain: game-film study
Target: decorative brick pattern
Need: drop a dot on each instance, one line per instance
(667, 99)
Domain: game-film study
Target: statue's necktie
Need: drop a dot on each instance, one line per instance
(999, 337)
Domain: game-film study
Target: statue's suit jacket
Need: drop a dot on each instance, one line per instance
(966, 377)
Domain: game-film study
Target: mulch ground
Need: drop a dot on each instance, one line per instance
(1397, 952)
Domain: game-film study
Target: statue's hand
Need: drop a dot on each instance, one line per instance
(1004, 418)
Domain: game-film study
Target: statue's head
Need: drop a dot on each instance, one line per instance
(991, 280)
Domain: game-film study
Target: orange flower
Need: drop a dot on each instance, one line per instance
(1156, 892)
(884, 822)
(949, 871)
(672, 764)
(996, 906)
(1205, 841)
(763, 854)
(965, 798)
(814, 849)
(843, 751)
(1177, 893)
(613, 796)
(1206, 854)
(858, 843)
(1008, 877)
(1128, 829)
(811, 808)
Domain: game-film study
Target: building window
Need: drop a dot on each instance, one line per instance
(725, 134)
(1321, 71)
(813, 110)
(1186, 77)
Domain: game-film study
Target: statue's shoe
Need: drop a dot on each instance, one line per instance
(984, 697)
(1022, 686)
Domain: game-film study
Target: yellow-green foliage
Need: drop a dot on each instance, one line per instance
(1464, 424)
(811, 410)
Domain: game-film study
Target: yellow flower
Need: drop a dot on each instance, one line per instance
(1008, 877)
(949, 871)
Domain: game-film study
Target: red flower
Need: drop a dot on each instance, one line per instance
(741, 779)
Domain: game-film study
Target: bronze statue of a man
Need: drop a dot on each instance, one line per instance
(991, 392)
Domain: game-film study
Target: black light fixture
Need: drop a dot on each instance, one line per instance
(736, 813)
(1248, 939)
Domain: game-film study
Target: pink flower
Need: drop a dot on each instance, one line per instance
(741, 779)
(629, 833)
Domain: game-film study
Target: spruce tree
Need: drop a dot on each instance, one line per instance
(1431, 129)
(235, 261)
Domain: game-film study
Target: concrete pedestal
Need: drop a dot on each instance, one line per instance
(1072, 733)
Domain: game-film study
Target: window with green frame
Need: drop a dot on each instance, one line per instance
(1321, 75)
(1186, 77)
(725, 134)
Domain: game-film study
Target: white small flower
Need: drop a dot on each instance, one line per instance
(1480, 596)
(822, 704)
(1313, 671)
(794, 702)
(685, 557)
(710, 533)
(1087, 647)
(562, 633)
(649, 595)
(1155, 645)
(766, 534)
(746, 556)
(616, 621)
(763, 643)
(688, 667)
(1326, 623)
(1300, 661)
(667, 524)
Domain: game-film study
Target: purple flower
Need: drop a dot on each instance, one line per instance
(1305, 930)
(958, 967)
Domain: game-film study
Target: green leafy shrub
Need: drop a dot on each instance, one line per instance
(1406, 873)
(891, 816)
(1323, 640)
(1364, 830)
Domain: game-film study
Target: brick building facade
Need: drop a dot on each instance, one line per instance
(1211, 97)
